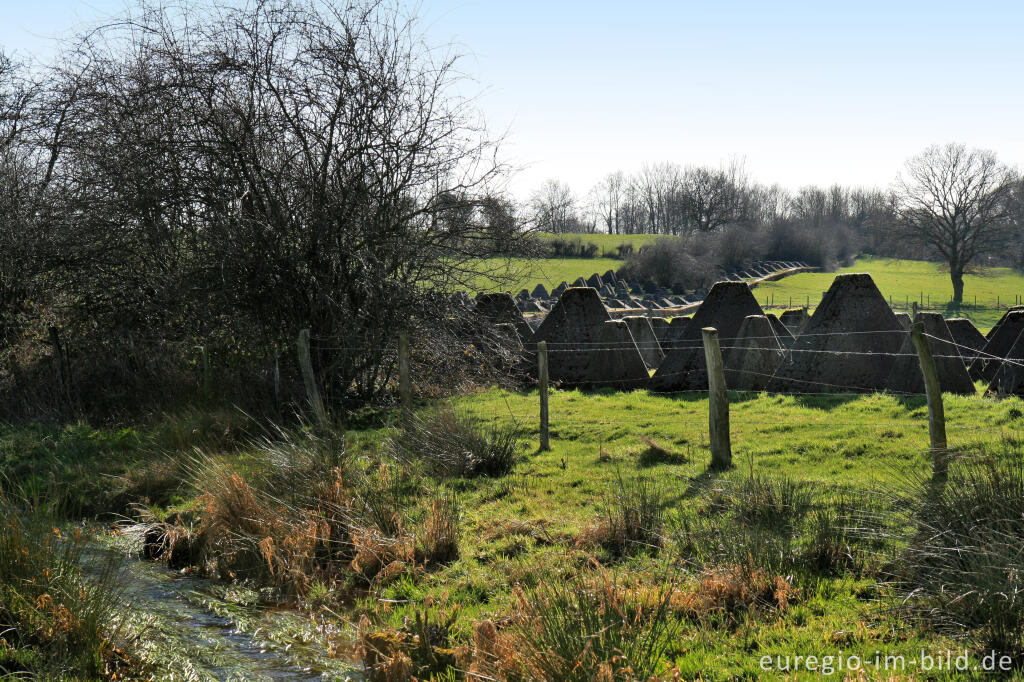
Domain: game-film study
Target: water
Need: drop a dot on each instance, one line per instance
(201, 630)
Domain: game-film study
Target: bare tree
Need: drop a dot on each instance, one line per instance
(952, 199)
(554, 208)
(607, 198)
(713, 198)
(235, 172)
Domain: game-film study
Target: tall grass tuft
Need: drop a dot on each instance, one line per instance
(456, 445)
(297, 511)
(633, 518)
(774, 524)
(581, 629)
(441, 530)
(963, 568)
(287, 518)
(55, 622)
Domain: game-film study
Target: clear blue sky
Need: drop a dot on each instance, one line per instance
(805, 92)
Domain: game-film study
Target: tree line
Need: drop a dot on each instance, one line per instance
(950, 203)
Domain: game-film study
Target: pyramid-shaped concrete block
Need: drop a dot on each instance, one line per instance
(848, 345)
(646, 340)
(617, 362)
(995, 328)
(724, 308)
(573, 329)
(968, 339)
(661, 327)
(795, 319)
(1000, 343)
(906, 376)
(782, 333)
(1009, 377)
(751, 360)
(501, 308)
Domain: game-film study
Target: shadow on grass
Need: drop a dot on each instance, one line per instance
(912, 402)
(826, 401)
(701, 481)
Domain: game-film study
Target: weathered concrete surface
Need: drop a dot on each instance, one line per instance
(1000, 343)
(782, 332)
(995, 328)
(847, 345)
(967, 337)
(795, 319)
(754, 356)
(724, 308)
(646, 340)
(500, 308)
(579, 350)
(906, 377)
(617, 363)
(1009, 377)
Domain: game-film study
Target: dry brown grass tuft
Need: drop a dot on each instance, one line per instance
(441, 530)
(731, 591)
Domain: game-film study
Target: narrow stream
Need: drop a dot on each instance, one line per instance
(197, 629)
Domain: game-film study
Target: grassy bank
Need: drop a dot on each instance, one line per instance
(56, 623)
(451, 545)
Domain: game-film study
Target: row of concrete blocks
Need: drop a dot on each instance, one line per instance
(853, 343)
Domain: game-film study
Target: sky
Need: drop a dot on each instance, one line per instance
(802, 92)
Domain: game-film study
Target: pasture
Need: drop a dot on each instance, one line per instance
(904, 281)
(789, 551)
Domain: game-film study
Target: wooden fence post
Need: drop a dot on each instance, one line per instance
(718, 402)
(207, 382)
(542, 376)
(312, 392)
(913, 311)
(404, 384)
(277, 382)
(62, 366)
(936, 412)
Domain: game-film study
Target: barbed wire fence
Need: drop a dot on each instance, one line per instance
(720, 375)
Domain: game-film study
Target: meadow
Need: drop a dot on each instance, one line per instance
(444, 542)
(515, 274)
(987, 292)
(607, 243)
(789, 552)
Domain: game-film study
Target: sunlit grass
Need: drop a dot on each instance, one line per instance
(904, 281)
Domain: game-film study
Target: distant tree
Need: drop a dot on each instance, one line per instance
(953, 199)
(713, 198)
(555, 209)
(607, 198)
(499, 222)
(1015, 211)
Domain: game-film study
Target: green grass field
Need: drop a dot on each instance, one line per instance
(904, 281)
(814, 508)
(520, 273)
(541, 523)
(534, 524)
